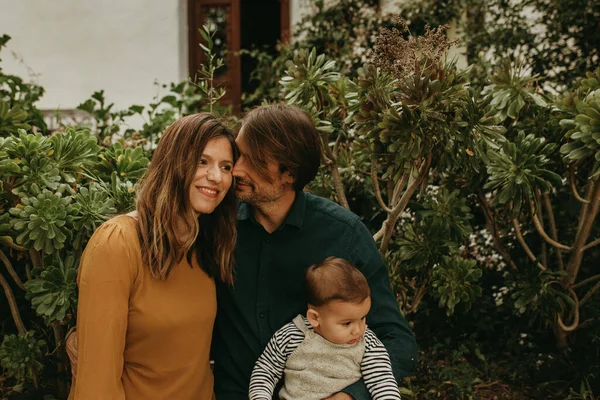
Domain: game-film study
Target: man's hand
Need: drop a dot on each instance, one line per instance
(340, 396)
(71, 346)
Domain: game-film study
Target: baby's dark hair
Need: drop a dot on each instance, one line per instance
(335, 279)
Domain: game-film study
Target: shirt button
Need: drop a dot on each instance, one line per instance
(262, 315)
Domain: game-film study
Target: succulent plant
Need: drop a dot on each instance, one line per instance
(43, 221)
(74, 150)
(27, 146)
(8, 166)
(121, 192)
(518, 169)
(307, 79)
(584, 132)
(511, 90)
(54, 293)
(539, 290)
(35, 175)
(455, 280)
(12, 119)
(127, 163)
(94, 207)
(448, 212)
(19, 356)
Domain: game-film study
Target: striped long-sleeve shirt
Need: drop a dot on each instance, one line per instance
(373, 363)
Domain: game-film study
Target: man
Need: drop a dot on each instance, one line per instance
(281, 232)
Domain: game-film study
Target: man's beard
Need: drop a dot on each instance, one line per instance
(256, 199)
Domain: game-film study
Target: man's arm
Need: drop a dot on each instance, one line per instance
(384, 318)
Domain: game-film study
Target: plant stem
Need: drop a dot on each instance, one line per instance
(591, 244)
(553, 230)
(541, 219)
(331, 162)
(61, 355)
(12, 245)
(11, 271)
(36, 259)
(12, 303)
(586, 281)
(540, 229)
(524, 245)
(493, 228)
(587, 216)
(375, 180)
(393, 216)
(575, 323)
(590, 293)
(573, 187)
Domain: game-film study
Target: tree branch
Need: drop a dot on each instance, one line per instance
(573, 187)
(590, 293)
(586, 281)
(11, 271)
(521, 240)
(553, 230)
(575, 323)
(493, 228)
(399, 207)
(541, 219)
(381, 231)
(399, 186)
(591, 244)
(377, 190)
(12, 303)
(418, 297)
(12, 245)
(586, 220)
(331, 162)
(540, 229)
(36, 259)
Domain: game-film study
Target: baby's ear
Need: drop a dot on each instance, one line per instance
(313, 317)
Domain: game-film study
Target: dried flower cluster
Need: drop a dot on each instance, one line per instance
(406, 57)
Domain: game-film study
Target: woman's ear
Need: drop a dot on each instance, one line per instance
(313, 317)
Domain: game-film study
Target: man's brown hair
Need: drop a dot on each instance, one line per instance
(335, 279)
(163, 202)
(284, 134)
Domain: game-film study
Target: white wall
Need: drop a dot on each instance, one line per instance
(77, 47)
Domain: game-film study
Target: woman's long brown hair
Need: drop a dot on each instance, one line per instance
(163, 203)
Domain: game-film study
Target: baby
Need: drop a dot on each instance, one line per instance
(330, 348)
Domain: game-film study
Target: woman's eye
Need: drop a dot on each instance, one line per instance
(227, 168)
(347, 323)
(202, 162)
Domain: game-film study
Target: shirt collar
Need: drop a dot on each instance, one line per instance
(294, 218)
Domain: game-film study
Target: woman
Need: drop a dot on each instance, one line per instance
(147, 298)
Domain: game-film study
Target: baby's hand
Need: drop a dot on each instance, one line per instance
(340, 396)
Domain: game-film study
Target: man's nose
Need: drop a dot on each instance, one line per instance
(238, 168)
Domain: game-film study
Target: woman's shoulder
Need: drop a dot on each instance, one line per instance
(118, 233)
(124, 224)
(112, 251)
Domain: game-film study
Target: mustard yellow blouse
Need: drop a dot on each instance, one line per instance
(140, 338)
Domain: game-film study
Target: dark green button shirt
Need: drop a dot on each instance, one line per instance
(269, 289)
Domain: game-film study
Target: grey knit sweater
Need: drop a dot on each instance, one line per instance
(314, 368)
